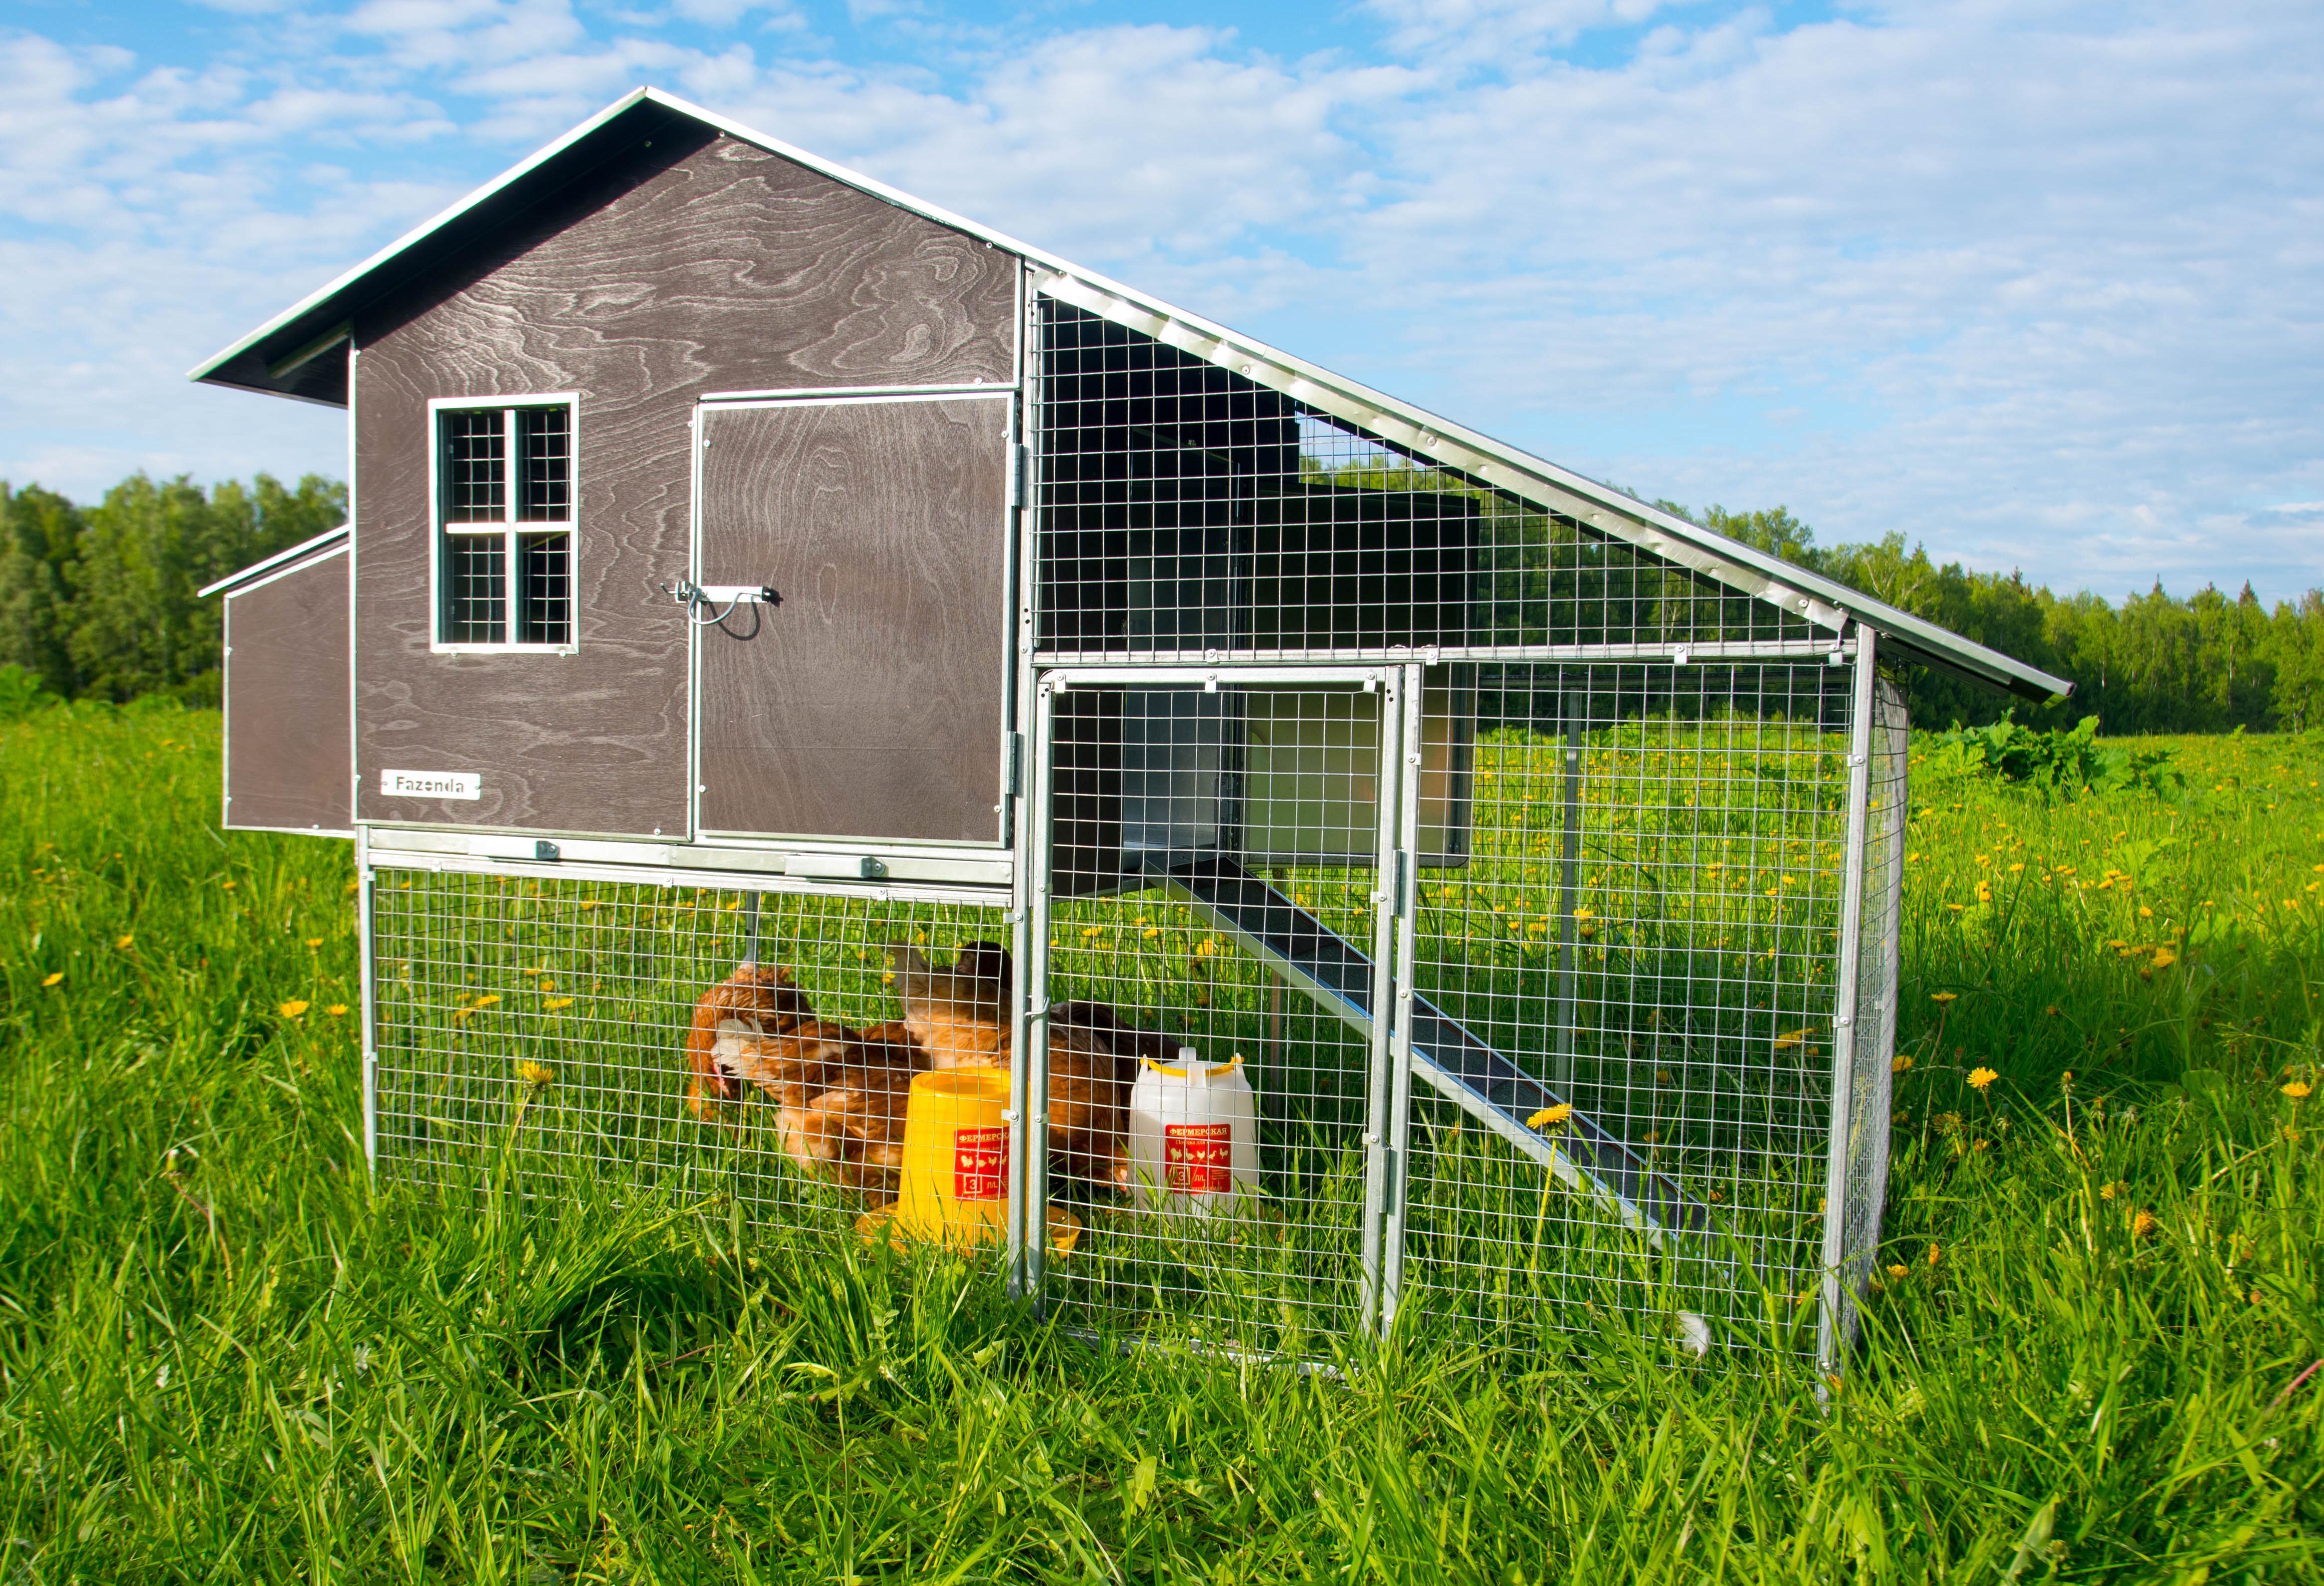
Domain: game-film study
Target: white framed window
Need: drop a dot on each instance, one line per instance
(502, 470)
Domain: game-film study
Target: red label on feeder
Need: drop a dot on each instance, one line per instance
(980, 1162)
(1199, 1157)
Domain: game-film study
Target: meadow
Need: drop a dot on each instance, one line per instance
(224, 1354)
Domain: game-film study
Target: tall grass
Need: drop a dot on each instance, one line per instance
(225, 1356)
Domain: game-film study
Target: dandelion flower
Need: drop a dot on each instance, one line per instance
(1933, 1254)
(314, 941)
(126, 943)
(1794, 1037)
(1549, 1117)
(2141, 1223)
(293, 1007)
(536, 1073)
(2113, 1192)
(554, 1003)
(2297, 1089)
(1942, 997)
(55, 979)
(1900, 1064)
(1980, 1078)
(1898, 1270)
(336, 1011)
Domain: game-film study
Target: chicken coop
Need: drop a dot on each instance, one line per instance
(805, 673)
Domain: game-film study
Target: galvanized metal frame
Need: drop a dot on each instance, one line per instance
(1828, 1325)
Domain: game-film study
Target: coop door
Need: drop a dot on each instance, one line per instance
(866, 697)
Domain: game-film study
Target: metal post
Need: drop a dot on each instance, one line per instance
(1028, 1048)
(1407, 953)
(1380, 1161)
(751, 929)
(1843, 1000)
(369, 1009)
(1571, 709)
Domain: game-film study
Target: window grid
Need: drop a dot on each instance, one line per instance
(506, 553)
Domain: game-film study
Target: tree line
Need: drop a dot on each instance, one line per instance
(2208, 662)
(99, 601)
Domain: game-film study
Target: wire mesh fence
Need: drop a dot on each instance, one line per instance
(755, 1043)
(1185, 510)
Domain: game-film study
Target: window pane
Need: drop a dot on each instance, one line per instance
(544, 447)
(475, 589)
(475, 466)
(544, 589)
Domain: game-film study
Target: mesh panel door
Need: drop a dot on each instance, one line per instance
(1212, 916)
(1622, 1035)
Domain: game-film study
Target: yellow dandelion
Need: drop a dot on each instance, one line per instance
(1549, 1116)
(126, 943)
(2145, 912)
(1900, 1064)
(1942, 997)
(56, 979)
(314, 941)
(2164, 958)
(554, 1003)
(336, 1011)
(2141, 1223)
(1933, 1254)
(2297, 1089)
(2115, 1191)
(229, 887)
(1984, 893)
(1794, 1037)
(1898, 1270)
(1980, 1078)
(2052, 1010)
(536, 1073)
(293, 1007)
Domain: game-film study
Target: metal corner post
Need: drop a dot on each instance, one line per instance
(368, 976)
(1412, 752)
(1848, 965)
(1028, 1062)
(1380, 1161)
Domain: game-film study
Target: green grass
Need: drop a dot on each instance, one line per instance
(225, 1356)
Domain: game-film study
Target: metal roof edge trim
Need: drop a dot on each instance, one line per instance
(278, 560)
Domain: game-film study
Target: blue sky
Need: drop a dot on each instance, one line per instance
(2039, 284)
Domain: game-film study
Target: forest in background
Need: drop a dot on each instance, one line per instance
(99, 602)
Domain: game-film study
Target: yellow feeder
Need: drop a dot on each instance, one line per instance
(956, 1174)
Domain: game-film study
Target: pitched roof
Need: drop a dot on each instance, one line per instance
(301, 353)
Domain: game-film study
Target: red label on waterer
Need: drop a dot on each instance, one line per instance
(1199, 1157)
(979, 1163)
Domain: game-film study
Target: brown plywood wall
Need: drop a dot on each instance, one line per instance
(286, 700)
(698, 264)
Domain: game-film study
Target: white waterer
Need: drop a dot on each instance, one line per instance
(1194, 1135)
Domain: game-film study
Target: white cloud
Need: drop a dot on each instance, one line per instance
(2032, 282)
